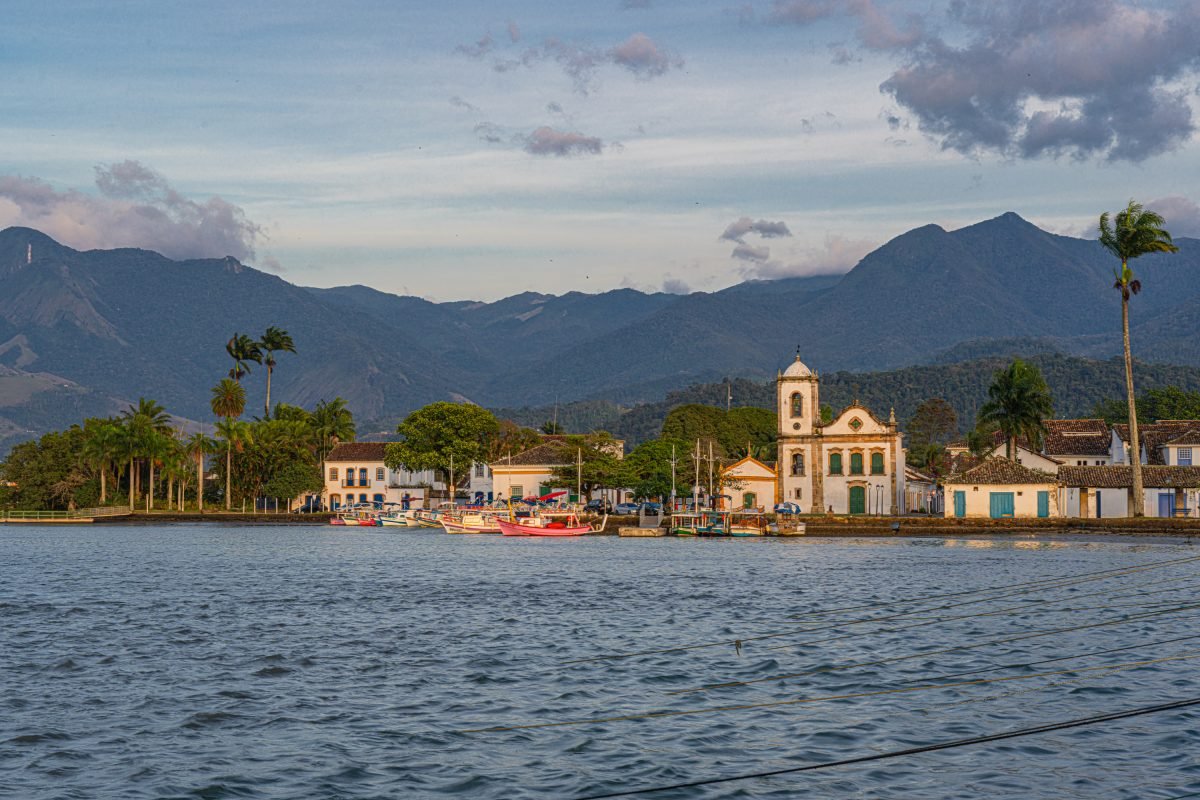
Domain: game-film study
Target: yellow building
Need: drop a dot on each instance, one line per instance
(750, 484)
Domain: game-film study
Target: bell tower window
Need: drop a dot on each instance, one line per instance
(797, 404)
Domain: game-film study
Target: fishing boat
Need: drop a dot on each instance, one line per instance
(686, 524)
(337, 521)
(747, 523)
(394, 520)
(549, 524)
(425, 518)
(471, 522)
(713, 523)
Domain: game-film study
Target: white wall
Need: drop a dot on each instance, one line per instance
(979, 502)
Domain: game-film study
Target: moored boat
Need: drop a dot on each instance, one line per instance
(549, 525)
(470, 523)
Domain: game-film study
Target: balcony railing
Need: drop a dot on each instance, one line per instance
(355, 485)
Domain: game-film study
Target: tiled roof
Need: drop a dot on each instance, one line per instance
(1001, 471)
(1120, 476)
(551, 454)
(357, 451)
(914, 474)
(1154, 435)
(1189, 439)
(1077, 437)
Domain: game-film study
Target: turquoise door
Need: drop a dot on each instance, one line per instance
(960, 504)
(1166, 504)
(1043, 504)
(1002, 504)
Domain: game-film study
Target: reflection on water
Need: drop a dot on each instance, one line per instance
(211, 661)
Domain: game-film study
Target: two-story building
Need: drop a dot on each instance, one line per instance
(355, 473)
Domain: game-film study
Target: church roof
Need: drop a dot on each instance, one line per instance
(797, 369)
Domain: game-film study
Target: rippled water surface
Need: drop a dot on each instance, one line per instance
(219, 661)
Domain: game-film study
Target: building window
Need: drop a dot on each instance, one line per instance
(350, 478)
(799, 494)
(1185, 456)
(876, 463)
(480, 470)
(516, 492)
(797, 463)
(835, 463)
(362, 477)
(379, 473)
(856, 424)
(797, 404)
(749, 500)
(335, 500)
(856, 464)
(333, 473)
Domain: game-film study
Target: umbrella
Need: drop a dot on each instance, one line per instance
(548, 497)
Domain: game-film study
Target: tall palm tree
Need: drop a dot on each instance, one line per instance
(156, 448)
(1136, 233)
(332, 422)
(242, 349)
(100, 451)
(1018, 401)
(197, 447)
(135, 431)
(236, 434)
(275, 340)
(228, 401)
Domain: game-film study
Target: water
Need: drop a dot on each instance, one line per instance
(220, 661)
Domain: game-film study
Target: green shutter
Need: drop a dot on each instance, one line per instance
(856, 464)
(858, 500)
(835, 463)
(876, 463)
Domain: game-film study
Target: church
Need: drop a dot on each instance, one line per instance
(851, 465)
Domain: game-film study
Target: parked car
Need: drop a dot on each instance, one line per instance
(311, 506)
(626, 508)
(598, 507)
(652, 508)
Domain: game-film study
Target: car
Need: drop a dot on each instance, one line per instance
(598, 507)
(652, 508)
(626, 508)
(311, 506)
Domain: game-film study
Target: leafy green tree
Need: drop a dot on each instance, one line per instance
(511, 438)
(1135, 233)
(49, 472)
(228, 401)
(101, 449)
(596, 463)
(275, 340)
(242, 349)
(933, 424)
(729, 431)
(649, 467)
(294, 479)
(1018, 402)
(443, 434)
(333, 423)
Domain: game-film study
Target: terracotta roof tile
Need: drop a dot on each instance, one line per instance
(1001, 471)
(1120, 476)
(550, 454)
(1077, 437)
(1154, 435)
(357, 451)
(1189, 439)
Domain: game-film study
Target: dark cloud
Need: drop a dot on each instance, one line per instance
(749, 252)
(546, 141)
(458, 102)
(738, 229)
(478, 50)
(489, 132)
(1078, 78)
(554, 108)
(136, 207)
(1181, 215)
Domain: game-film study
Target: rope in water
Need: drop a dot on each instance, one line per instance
(1024, 589)
(1051, 727)
(826, 698)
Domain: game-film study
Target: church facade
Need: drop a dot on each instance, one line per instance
(852, 465)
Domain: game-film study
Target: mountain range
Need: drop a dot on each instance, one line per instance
(83, 332)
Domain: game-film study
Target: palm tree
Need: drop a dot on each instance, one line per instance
(242, 349)
(1136, 233)
(1018, 401)
(156, 448)
(197, 446)
(275, 340)
(332, 422)
(100, 451)
(228, 401)
(235, 433)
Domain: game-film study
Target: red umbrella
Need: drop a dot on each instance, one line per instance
(548, 497)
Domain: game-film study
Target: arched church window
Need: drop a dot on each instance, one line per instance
(797, 463)
(876, 463)
(797, 404)
(835, 463)
(856, 464)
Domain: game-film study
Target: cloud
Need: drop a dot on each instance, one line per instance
(640, 55)
(478, 50)
(748, 252)
(554, 108)
(1181, 214)
(838, 255)
(876, 29)
(546, 141)
(764, 228)
(1077, 78)
(136, 207)
(676, 286)
(458, 102)
(489, 132)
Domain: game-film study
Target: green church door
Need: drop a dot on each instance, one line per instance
(858, 500)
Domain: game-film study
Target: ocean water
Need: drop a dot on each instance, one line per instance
(214, 661)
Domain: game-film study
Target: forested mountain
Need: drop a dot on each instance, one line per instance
(84, 331)
(1077, 385)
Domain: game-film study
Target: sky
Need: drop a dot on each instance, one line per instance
(473, 150)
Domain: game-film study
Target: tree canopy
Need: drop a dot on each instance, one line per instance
(443, 433)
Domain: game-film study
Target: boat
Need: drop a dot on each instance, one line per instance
(685, 524)
(562, 524)
(394, 520)
(337, 521)
(471, 522)
(747, 523)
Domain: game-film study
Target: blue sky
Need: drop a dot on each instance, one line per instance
(474, 150)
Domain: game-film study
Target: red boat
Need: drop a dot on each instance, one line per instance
(550, 525)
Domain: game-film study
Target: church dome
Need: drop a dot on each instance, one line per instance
(797, 369)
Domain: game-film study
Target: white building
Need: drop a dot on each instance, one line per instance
(999, 488)
(853, 465)
(355, 472)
